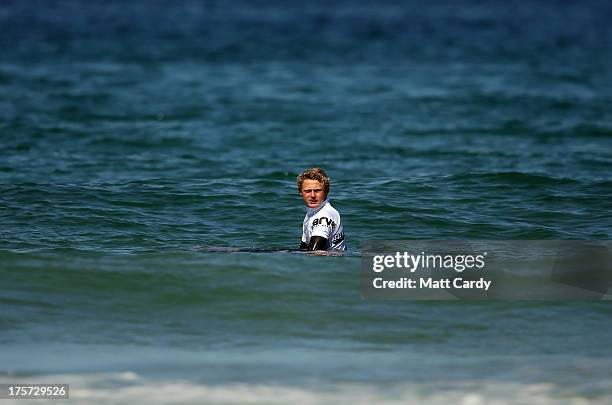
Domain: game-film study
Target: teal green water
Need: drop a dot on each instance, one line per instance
(135, 137)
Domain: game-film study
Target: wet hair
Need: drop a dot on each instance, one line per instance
(315, 173)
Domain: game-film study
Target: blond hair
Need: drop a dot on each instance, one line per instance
(315, 173)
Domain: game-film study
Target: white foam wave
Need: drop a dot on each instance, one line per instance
(131, 388)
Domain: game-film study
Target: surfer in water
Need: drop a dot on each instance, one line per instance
(322, 228)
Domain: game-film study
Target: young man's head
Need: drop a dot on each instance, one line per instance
(313, 186)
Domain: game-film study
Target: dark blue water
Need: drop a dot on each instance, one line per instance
(136, 135)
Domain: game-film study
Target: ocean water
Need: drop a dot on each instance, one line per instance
(135, 136)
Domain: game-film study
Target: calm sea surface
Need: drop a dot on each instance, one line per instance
(136, 135)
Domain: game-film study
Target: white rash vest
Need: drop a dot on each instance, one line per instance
(324, 221)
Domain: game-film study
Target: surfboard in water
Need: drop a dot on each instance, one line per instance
(226, 249)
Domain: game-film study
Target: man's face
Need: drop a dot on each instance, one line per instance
(313, 193)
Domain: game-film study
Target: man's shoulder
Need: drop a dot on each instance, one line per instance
(328, 209)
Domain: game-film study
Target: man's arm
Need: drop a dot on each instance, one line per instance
(317, 243)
